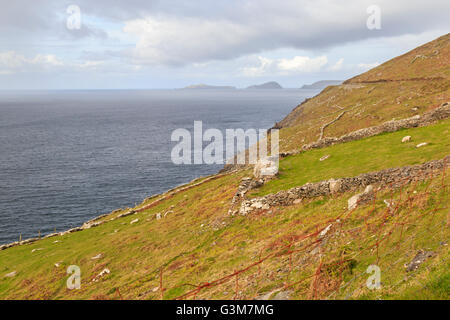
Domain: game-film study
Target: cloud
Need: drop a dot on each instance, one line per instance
(337, 66)
(283, 66)
(13, 62)
(367, 66)
(302, 64)
(174, 38)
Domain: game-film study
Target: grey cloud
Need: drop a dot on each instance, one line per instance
(197, 31)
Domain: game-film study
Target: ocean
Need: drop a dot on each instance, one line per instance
(69, 156)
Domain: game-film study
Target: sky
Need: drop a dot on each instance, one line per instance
(148, 44)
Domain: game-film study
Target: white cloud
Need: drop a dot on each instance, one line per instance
(302, 64)
(284, 66)
(204, 34)
(265, 64)
(12, 62)
(367, 66)
(337, 66)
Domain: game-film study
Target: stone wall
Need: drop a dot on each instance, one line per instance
(427, 118)
(393, 177)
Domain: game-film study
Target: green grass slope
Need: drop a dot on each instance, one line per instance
(196, 242)
(400, 88)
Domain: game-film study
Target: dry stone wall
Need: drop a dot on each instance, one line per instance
(393, 177)
(427, 118)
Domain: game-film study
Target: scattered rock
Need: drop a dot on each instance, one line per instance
(57, 265)
(325, 231)
(282, 295)
(406, 139)
(360, 198)
(37, 249)
(134, 221)
(420, 257)
(97, 257)
(11, 274)
(158, 216)
(421, 144)
(387, 203)
(324, 157)
(155, 289)
(298, 201)
(335, 186)
(101, 274)
(267, 167)
(167, 212)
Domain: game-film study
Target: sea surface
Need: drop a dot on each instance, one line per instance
(69, 156)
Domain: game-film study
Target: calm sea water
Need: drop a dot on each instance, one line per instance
(68, 156)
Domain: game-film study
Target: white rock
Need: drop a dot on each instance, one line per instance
(325, 231)
(297, 201)
(421, 144)
(158, 216)
(257, 205)
(406, 139)
(101, 274)
(134, 221)
(266, 167)
(353, 202)
(324, 157)
(335, 186)
(11, 274)
(97, 257)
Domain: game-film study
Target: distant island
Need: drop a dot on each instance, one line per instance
(322, 84)
(267, 85)
(205, 86)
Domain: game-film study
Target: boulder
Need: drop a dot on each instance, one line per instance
(421, 144)
(267, 167)
(406, 139)
(101, 274)
(360, 198)
(97, 257)
(335, 186)
(11, 274)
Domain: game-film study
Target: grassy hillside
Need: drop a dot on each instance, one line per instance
(356, 157)
(316, 249)
(399, 88)
(197, 241)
